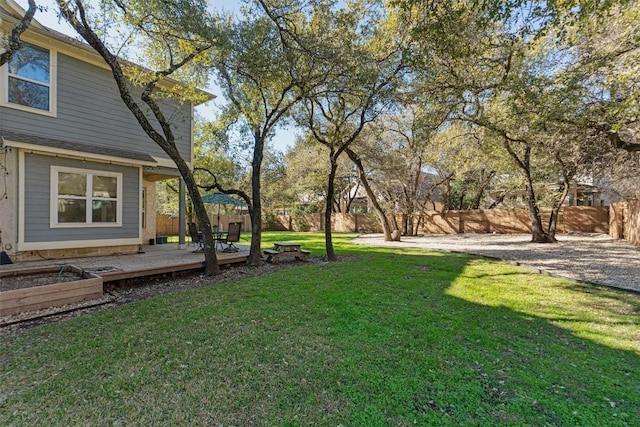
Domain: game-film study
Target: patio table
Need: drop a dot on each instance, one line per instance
(219, 238)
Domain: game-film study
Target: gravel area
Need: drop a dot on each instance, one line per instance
(590, 258)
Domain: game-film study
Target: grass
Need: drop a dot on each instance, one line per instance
(392, 337)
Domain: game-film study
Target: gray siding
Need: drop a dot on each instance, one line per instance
(37, 202)
(90, 111)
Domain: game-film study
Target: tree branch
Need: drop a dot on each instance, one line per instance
(15, 43)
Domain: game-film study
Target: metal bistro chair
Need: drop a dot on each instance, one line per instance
(233, 236)
(196, 237)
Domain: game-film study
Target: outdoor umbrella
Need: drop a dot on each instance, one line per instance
(220, 199)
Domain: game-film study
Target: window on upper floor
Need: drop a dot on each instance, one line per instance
(83, 197)
(30, 78)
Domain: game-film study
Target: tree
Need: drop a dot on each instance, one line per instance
(214, 166)
(177, 33)
(259, 78)
(517, 81)
(538, 142)
(360, 59)
(466, 162)
(395, 153)
(306, 176)
(605, 45)
(13, 42)
(277, 191)
(389, 234)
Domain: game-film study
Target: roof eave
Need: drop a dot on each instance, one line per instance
(76, 48)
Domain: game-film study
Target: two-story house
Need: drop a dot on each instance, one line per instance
(77, 171)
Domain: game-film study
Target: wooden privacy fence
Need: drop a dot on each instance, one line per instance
(624, 221)
(358, 223)
(587, 219)
(167, 225)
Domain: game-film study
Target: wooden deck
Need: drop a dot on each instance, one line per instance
(152, 261)
(156, 259)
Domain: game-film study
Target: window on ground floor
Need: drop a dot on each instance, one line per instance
(85, 197)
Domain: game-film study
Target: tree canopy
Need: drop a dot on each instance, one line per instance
(421, 96)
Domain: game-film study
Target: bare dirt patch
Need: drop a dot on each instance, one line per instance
(21, 281)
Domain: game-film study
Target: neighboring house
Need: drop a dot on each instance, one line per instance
(78, 172)
(580, 194)
(353, 199)
(355, 196)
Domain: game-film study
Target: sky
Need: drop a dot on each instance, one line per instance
(283, 139)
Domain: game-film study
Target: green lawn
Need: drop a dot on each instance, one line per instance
(391, 337)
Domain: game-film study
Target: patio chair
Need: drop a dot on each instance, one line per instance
(233, 236)
(196, 237)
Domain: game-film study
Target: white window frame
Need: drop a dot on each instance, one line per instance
(89, 173)
(52, 85)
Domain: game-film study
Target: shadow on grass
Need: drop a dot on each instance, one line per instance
(397, 337)
(516, 348)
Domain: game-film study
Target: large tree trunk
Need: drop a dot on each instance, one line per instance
(166, 139)
(411, 197)
(395, 234)
(255, 256)
(371, 195)
(553, 222)
(405, 224)
(331, 256)
(211, 266)
(555, 210)
(418, 224)
(538, 235)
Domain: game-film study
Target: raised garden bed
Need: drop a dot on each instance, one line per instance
(45, 287)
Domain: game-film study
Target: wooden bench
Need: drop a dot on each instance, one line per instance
(274, 255)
